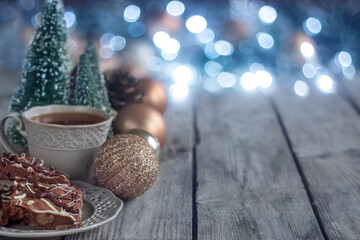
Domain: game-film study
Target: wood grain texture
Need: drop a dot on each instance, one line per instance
(165, 211)
(324, 131)
(248, 184)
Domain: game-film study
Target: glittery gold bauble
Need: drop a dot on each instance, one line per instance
(154, 94)
(144, 117)
(126, 165)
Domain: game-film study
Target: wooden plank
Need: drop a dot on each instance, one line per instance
(165, 211)
(248, 184)
(324, 131)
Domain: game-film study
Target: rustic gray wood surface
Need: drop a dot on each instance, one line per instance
(249, 167)
(324, 131)
(248, 185)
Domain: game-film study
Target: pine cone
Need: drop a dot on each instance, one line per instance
(123, 87)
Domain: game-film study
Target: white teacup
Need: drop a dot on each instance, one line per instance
(70, 148)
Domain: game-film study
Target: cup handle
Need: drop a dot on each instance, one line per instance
(19, 127)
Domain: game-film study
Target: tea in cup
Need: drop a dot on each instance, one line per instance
(65, 137)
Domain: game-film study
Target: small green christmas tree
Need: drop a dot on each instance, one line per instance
(90, 51)
(86, 91)
(45, 75)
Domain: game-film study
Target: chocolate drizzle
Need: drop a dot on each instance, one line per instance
(46, 192)
(35, 163)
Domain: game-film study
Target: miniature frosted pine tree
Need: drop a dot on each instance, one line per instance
(86, 91)
(45, 75)
(90, 51)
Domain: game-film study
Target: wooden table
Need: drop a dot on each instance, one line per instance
(250, 166)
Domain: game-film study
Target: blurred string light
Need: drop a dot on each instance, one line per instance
(210, 52)
(168, 56)
(267, 14)
(309, 70)
(27, 4)
(254, 67)
(325, 83)
(132, 13)
(36, 19)
(184, 74)
(117, 43)
(224, 48)
(136, 29)
(171, 46)
(175, 8)
(105, 40)
(349, 72)
(312, 26)
(265, 40)
(196, 24)
(263, 79)
(70, 19)
(106, 52)
(179, 91)
(301, 88)
(160, 38)
(226, 79)
(248, 81)
(307, 50)
(213, 68)
(344, 59)
(206, 36)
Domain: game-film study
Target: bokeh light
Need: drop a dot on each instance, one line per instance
(117, 43)
(267, 14)
(206, 36)
(179, 91)
(224, 48)
(175, 8)
(263, 79)
(301, 88)
(70, 19)
(213, 68)
(226, 79)
(171, 46)
(132, 13)
(210, 52)
(196, 24)
(168, 56)
(344, 59)
(309, 70)
(106, 52)
(265, 40)
(349, 72)
(248, 81)
(307, 49)
(105, 40)
(27, 4)
(325, 83)
(312, 26)
(160, 38)
(184, 74)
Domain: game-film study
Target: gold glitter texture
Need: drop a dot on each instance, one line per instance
(126, 165)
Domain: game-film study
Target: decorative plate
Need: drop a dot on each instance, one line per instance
(100, 207)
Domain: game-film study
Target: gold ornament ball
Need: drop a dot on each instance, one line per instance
(154, 94)
(126, 165)
(144, 117)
